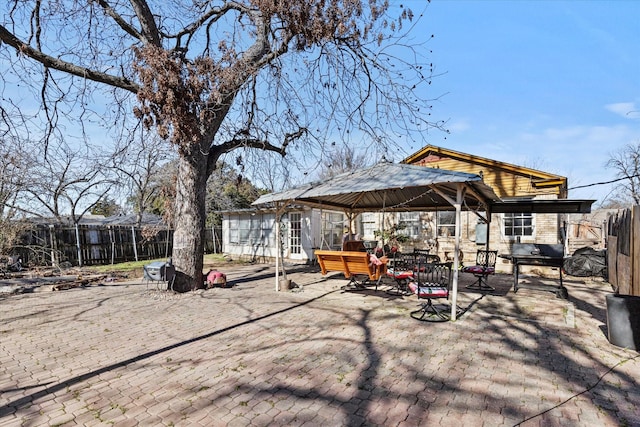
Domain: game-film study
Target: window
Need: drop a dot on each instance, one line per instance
(248, 230)
(368, 225)
(251, 230)
(268, 224)
(518, 224)
(233, 230)
(332, 230)
(446, 223)
(295, 235)
(409, 224)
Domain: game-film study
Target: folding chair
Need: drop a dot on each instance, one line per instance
(484, 267)
(432, 281)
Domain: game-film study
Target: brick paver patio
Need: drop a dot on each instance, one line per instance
(127, 354)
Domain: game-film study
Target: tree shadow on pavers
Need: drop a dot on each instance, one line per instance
(442, 357)
(11, 407)
(562, 348)
(354, 409)
(501, 284)
(586, 294)
(381, 292)
(558, 352)
(51, 314)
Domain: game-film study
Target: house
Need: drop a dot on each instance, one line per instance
(251, 233)
(509, 182)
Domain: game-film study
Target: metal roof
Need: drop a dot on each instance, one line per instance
(543, 206)
(389, 186)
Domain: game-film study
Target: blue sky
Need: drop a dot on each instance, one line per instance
(552, 85)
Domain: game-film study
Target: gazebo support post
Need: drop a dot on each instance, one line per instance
(456, 253)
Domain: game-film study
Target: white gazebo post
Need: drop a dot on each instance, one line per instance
(457, 204)
(78, 245)
(456, 254)
(280, 209)
(277, 248)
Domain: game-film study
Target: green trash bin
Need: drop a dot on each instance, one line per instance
(623, 320)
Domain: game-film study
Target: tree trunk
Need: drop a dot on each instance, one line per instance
(189, 220)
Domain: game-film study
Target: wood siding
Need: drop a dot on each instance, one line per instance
(623, 251)
(505, 183)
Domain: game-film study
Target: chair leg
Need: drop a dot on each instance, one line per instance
(378, 282)
(430, 313)
(356, 284)
(481, 284)
(399, 288)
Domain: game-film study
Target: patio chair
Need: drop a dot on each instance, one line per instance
(401, 271)
(423, 257)
(421, 251)
(354, 245)
(432, 281)
(485, 266)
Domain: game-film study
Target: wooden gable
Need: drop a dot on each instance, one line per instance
(507, 180)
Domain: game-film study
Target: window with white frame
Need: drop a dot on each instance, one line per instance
(332, 230)
(446, 223)
(368, 220)
(268, 230)
(409, 224)
(518, 224)
(251, 230)
(295, 233)
(233, 229)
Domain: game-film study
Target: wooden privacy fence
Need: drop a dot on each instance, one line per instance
(100, 245)
(623, 250)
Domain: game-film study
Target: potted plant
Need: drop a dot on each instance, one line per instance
(391, 238)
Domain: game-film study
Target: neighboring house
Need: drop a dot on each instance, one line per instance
(251, 233)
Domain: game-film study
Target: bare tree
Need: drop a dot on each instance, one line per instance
(626, 163)
(342, 159)
(63, 182)
(213, 77)
(139, 164)
(12, 171)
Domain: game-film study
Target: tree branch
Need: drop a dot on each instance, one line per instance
(49, 61)
(149, 28)
(210, 17)
(121, 22)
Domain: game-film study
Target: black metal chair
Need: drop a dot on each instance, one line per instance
(422, 256)
(421, 251)
(485, 266)
(432, 281)
(401, 271)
